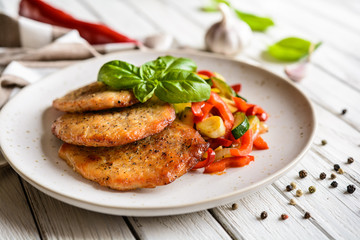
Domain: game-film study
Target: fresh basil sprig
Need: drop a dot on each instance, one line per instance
(292, 49)
(171, 79)
(256, 23)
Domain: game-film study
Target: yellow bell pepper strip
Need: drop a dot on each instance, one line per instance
(225, 163)
(209, 160)
(224, 111)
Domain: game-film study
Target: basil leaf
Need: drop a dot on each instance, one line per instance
(120, 75)
(256, 23)
(181, 87)
(145, 91)
(291, 49)
(168, 63)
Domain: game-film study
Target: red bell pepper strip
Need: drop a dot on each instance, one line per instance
(241, 105)
(258, 111)
(224, 110)
(246, 145)
(93, 33)
(206, 73)
(260, 144)
(236, 87)
(228, 162)
(196, 108)
(209, 160)
(205, 112)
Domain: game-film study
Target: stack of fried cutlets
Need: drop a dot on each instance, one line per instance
(114, 140)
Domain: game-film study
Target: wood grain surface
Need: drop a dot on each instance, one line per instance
(332, 84)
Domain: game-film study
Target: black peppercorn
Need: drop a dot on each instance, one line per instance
(289, 188)
(336, 167)
(351, 188)
(334, 184)
(307, 215)
(343, 112)
(263, 215)
(234, 206)
(322, 176)
(350, 160)
(323, 142)
(302, 174)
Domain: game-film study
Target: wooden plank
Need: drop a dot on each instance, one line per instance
(245, 222)
(121, 17)
(199, 225)
(169, 20)
(58, 220)
(16, 220)
(75, 8)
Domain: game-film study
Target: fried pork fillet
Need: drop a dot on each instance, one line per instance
(93, 97)
(114, 127)
(154, 161)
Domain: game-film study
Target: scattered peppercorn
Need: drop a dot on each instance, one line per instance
(350, 160)
(334, 184)
(284, 216)
(341, 171)
(293, 184)
(263, 215)
(351, 188)
(299, 193)
(323, 142)
(312, 189)
(343, 112)
(336, 167)
(333, 176)
(302, 174)
(234, 206)
(307, 215)
(322, 176)
(292, 202)
(289, 188)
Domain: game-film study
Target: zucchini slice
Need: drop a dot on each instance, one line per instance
(241, 125)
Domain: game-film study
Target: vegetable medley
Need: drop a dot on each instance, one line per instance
(230, 124)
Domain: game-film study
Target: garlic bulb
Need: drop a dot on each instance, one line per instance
(230, 35)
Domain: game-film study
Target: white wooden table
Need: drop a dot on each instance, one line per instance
(333, 84)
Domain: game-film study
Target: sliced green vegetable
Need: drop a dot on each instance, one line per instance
(225, 89)
(291, 49)
(212, 127)
(187, 117)
(241, 125)
(254, 124)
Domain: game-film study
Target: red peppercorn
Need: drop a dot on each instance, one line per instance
(284, 216)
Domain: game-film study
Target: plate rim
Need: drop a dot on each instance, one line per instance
(180, 208)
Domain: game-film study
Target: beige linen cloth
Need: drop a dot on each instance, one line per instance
(30, 50)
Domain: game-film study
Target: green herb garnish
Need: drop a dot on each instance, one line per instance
(292, 49)
(171, 79)
(256, 23)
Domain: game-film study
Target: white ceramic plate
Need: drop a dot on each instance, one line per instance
(31, 149)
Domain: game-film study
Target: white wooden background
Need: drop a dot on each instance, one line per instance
(333, 84)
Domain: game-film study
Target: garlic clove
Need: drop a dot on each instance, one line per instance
(230, 35)
(297, 72)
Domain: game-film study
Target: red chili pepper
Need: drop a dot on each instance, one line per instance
(93, 33)
(224, 110)
(206, 73)
(260, 144)
(246, 145)
(210, 159)
(236, 87)
(228, 162)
